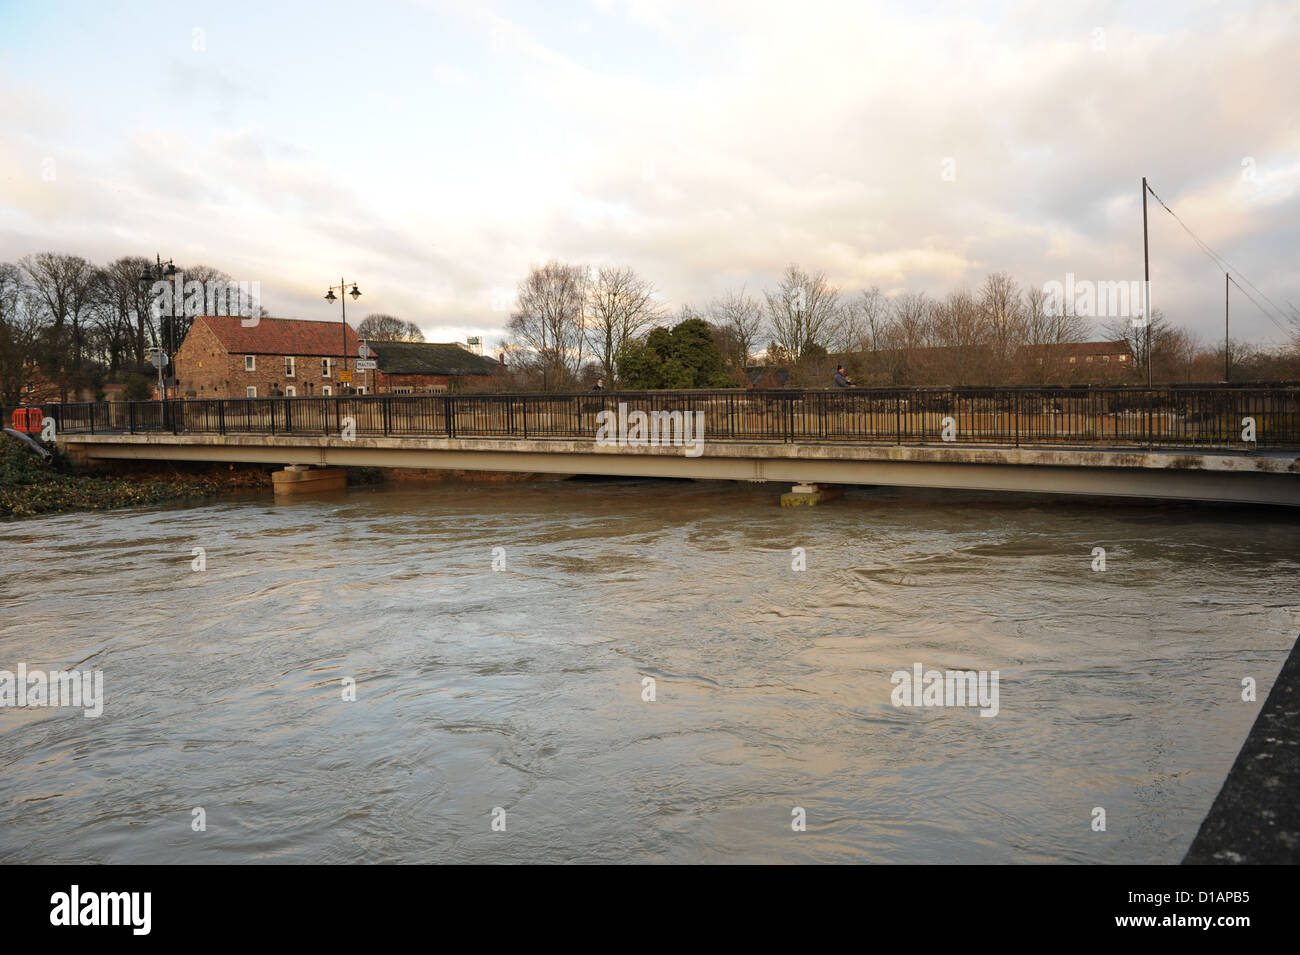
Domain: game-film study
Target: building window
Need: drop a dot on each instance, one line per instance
(402, 390)
(250, 392)
(326, 390)
(288, 366)
(325, 367)
(290, 391)
(1071, 359)
(250, 363)
(1123, 357)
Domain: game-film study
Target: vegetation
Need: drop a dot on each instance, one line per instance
(68, 326)
(571, 325)
(32, 485)
(388, 328)
(684, 357)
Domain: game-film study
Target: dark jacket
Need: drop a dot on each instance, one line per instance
(841, 381)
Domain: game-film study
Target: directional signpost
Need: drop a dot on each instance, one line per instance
(366, 364)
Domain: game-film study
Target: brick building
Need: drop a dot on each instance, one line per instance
(406, 368)
(221, 358)
(1105, 361)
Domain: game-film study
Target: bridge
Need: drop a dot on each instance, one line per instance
(1236, 444)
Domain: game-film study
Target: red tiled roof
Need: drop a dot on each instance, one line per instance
(282, 336)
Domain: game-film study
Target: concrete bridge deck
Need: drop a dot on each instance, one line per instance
(1262, 477)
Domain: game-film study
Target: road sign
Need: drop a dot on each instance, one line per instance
(364, 350)
(345, 376)
(366, 365)
(158, 359)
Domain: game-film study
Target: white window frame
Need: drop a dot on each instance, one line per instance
(250, 363)
(326, 390)
(290, 366)
(326, 364)
(250, 391)
(290, 391)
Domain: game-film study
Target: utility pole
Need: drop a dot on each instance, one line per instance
(1146, 262)
(1226, 340)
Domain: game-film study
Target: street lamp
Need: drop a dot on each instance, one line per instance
(158, 272)
(330, 297)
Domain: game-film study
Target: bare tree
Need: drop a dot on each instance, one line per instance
(961, 332)
(550, 320)
(908, 336)
(20, 335)
(120, 313)
(802, 311)
(1137, 337)
(1042, 360)
(379, 327)
(1004, 314)
(620, 306)
(739, 318)
(62, 286)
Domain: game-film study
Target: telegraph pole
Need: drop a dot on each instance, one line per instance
(1146, 262)
(1226, 340)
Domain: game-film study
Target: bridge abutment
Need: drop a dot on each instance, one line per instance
(304, 479)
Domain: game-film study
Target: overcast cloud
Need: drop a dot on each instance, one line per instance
(433, 151)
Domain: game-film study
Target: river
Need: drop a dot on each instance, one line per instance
(500, 714)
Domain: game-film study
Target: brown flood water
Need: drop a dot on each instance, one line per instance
(521, 688)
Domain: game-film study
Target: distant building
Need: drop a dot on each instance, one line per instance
(1084, 359)
(407, 368)
(766, 377)
(291, 357)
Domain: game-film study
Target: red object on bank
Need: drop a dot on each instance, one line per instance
(27, 420)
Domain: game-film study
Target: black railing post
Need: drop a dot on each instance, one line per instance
(448, 413)
(898, 418)
(1017, 419)
(524, 414)
(387, 411)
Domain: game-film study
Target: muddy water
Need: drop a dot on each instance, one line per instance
(522, 688)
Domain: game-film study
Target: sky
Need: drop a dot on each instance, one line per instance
(433, 151)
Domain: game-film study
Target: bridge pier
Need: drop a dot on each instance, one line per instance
(304, 479)
(809, 494)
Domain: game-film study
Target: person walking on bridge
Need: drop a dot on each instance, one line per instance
(842, 380)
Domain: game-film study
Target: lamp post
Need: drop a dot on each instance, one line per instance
(330, 297)
(158, 272)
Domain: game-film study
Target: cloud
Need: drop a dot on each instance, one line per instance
(707, 144)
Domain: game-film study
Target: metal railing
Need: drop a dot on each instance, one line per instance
(1171, 417)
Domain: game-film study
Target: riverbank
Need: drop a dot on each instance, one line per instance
(1256, 818)
(30, 485)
